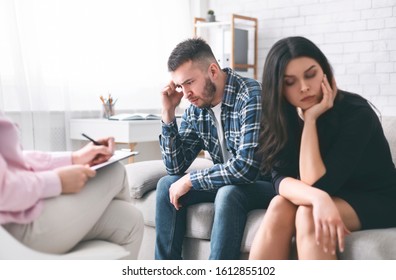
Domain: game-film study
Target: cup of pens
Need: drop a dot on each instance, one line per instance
(108, 106)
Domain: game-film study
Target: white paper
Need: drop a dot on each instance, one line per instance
(118, 155)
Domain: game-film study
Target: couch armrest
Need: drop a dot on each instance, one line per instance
(143, 176)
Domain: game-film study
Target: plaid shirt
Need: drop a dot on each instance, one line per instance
(240, 116)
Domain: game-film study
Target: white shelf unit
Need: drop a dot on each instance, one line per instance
(233, 42)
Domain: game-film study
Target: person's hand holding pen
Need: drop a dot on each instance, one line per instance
(95, 152)
(74, 177)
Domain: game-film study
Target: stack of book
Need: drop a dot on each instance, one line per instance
(135, 116)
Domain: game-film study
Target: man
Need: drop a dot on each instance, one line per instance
(223, 119)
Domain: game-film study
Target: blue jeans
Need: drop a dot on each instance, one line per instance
(231, 202)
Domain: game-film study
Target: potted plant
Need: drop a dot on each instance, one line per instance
(210, 17)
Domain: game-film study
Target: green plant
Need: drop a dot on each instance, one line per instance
(210, 12)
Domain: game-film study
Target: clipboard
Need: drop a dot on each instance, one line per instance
(118, 155)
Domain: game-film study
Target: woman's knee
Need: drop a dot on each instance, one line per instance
(115, 171)
(112, 180)
(304, 221)
(281, 211)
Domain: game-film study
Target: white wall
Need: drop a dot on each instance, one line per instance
(357, 36)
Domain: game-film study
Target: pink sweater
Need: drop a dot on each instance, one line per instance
(26, 178)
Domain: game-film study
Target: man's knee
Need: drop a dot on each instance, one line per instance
(163, 185)
(230, 197)
(228, 193)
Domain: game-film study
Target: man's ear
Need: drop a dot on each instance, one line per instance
(213, 71)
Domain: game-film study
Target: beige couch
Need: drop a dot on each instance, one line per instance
(143, 177)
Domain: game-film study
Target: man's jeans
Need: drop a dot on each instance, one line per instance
(231, 202)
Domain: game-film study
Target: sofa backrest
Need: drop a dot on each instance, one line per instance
(389, 126)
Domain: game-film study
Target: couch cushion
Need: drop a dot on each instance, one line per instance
(199, 216)
(146, 205)
(374, 244)
(252, 225)
(389, 126)
(200, 220)
(143, 176)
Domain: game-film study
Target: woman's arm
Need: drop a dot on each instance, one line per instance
(300, 193)
(21, 189)
(329, 226)
(311, 163)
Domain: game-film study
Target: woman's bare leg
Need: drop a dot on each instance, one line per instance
(273, 239)
(307, 247)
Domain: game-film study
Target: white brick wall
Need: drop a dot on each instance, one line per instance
(357, 36)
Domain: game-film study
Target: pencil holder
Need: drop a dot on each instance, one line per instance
(107, 111)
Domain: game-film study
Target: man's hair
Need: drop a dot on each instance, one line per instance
(195, 50)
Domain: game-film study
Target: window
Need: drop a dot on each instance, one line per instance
(64, 54)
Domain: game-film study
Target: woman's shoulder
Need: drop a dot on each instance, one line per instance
(352, 99)
(349, 102)
(354, 106)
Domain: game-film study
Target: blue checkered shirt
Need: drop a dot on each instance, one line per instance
(240, 116)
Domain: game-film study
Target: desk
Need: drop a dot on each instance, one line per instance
(130, 132)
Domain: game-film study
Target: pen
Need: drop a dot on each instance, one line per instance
(90, 139)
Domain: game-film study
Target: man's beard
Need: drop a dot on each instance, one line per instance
(209, 93)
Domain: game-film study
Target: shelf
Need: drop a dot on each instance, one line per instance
(235, 25)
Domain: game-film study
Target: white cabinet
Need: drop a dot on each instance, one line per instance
(234, 42)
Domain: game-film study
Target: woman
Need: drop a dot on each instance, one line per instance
(51, 202)
(330, 162)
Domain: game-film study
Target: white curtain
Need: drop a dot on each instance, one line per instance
(61, 55)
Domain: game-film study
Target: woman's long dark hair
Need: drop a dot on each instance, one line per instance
(277, 112)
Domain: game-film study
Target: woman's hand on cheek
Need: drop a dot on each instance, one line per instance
(330, 91)
(328, 95)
